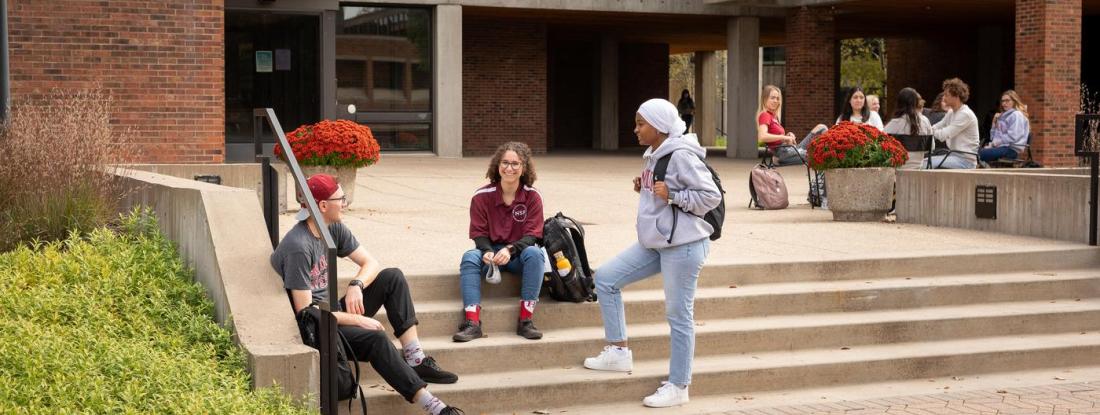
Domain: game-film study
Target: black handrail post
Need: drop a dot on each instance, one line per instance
(1094, 171)
(1085, 145)
(270, 185)
(328, 329)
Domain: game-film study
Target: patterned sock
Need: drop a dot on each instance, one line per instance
(526, 309)
(430, 403)
(473, 313)
(413, 353)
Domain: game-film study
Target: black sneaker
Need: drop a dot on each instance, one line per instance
(468, 331)
(526, 328)
(430, 372)
(450, 410)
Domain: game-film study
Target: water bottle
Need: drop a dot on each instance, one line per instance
(492, 274)
(562, 263)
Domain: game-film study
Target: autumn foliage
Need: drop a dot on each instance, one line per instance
(339, 143)
(849, 145)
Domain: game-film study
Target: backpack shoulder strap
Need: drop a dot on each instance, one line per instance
(662, 167)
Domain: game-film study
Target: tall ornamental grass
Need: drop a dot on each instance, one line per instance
(53, 169)
(111, 322)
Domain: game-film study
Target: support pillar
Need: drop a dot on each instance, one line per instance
(742, 85)
(812, 68)
(608, 138)
(706, 97)
(447, 85)
(1048, 74)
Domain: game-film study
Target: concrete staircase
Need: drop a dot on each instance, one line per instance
(765, 327)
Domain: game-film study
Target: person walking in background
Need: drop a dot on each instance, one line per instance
(506, 226)
(686, 106)
(1010, 130)
(677, 251)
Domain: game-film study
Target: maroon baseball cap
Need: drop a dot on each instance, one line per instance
(322, 186)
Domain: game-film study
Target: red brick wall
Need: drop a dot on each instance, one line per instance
(503, 85)
(643, 75)
(811, 70)
(162, 61)
(1048, 74)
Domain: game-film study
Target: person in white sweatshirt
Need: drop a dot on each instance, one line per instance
(673, 239)
(959, 129)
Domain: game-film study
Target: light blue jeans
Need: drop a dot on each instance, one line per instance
(679, 266)
(528, 265)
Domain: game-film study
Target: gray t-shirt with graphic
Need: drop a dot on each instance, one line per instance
(302, 261)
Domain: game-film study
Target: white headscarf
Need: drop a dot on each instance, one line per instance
(663, 116)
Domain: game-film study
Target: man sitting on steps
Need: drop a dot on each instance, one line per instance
(302, 262)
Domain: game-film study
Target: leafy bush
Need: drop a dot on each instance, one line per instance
(112, 323)
(54, 178)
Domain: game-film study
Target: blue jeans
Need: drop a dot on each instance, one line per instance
(997, 153)
(679, 266)
(528, 264)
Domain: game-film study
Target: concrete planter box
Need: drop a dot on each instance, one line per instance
(860, 194)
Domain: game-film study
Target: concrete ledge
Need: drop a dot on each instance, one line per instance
(1047, 203)
(242, 175)
(219, 231)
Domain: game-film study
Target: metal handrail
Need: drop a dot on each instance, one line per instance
(329, 397)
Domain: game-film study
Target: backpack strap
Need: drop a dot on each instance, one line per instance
(350, 354)
(659, 176)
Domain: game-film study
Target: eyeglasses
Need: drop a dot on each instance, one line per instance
(342, 199)
(1006, 100)
(511, 164)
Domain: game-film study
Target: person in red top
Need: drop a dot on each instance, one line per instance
(506, 226)
(772, 134)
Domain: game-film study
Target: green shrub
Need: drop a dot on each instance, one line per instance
(58, 149)
(112, 323)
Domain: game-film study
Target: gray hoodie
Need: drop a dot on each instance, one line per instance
(691, 187)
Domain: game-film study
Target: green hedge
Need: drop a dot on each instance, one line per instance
(111, 322)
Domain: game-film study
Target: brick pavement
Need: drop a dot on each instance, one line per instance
(1056, 399)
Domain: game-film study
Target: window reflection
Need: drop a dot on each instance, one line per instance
(383, 59)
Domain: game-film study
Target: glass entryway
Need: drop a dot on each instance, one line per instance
(271, 60)
(384, 69)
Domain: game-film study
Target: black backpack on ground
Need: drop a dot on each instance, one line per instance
(561, 233)
(715, 216)
(347, 382)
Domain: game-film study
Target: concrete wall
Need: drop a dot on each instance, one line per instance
(243, 175)
(1047, 203)
(219, 232)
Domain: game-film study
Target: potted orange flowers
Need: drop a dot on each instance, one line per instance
(859, 162)
(336, 147)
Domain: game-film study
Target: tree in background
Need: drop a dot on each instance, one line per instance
(863, 64)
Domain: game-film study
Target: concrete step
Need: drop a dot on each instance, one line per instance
(445, 286)
(875, 397)
(525, 391)
(505, 351)
(442, 318)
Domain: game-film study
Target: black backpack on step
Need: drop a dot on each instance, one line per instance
(347, 382)
(561, 233)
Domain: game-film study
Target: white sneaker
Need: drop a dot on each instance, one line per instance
(667, 395)
(611, 358)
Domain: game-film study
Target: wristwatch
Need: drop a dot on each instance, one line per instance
(357, 283)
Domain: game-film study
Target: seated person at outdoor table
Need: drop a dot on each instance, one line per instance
(1010, 130)
(908, 121)
(959, 129)
(936, 113)
(772, 134)
(856, 110)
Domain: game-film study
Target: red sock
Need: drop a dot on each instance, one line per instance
(526, 309)
(473, 313)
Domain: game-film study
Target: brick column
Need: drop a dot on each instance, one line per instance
(1048, 74)
(811, 70)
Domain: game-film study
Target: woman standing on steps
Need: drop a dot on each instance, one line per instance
(505, 224)
(687, 193)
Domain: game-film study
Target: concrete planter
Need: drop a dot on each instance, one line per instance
(860, 195)
(346, 176)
